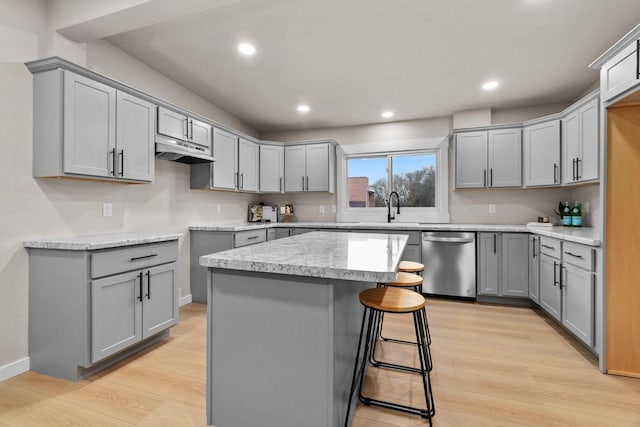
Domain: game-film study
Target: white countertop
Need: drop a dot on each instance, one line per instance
(100, 241)
(584, 235)
(346, 256)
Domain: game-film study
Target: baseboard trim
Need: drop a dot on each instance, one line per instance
(184, 300)
(14, 368)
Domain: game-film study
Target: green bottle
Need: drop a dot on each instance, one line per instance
(576, 215)
(566, 215)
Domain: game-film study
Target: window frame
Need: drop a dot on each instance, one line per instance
(437, 214)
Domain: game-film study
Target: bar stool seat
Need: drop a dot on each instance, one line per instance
(410, 267)
(406, 280)
(391, 300)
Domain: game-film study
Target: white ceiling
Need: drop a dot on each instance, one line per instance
(351, 59)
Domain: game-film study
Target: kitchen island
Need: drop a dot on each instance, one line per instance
(283, 320)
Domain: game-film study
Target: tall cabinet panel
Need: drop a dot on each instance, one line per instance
(247, 165)
(542, 154)
(89, 127)
(488, 263)
(504, 158)
(271, 168)
(225, 150)
(471, 160)
(294, 166)
(515, 271)
(135, 132)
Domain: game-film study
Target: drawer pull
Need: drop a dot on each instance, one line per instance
(547, 246)
(138, 258)
(252, 237)
(574, 255)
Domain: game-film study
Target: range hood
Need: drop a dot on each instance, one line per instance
(181, 151)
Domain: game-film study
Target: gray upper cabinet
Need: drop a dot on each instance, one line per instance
(621, 72)
(309, 167)
(542, 154)
(489, 159)
(224, 170)
(89, 127)
(471, 159)
(180, 126)
(580, 143)
(135, 120)
(85, 128)
(295, 169)
(248, 163)
(271, 169)
(505, 158)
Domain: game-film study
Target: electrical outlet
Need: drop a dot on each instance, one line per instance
(492, 208)
(218, 209)
(107, 209)
(321, 209)
(334, 209)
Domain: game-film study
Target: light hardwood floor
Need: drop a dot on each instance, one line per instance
(493, 366)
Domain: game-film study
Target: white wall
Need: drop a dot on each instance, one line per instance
(34, 208)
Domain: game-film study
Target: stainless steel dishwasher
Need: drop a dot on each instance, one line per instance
(449, 259)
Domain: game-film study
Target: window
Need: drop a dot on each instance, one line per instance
(412, 176)
(418, 174)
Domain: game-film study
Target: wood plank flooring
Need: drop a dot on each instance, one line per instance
(493, 366)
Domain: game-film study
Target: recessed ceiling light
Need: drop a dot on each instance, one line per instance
(387, 114)
(303, 108)
(490, 85)
(246, 49)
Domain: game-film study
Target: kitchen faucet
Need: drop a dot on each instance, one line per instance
(389, 201)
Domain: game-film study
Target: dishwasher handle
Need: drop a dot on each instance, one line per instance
(448, 239)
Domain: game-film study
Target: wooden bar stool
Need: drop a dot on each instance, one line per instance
(406, 281)
(411, 267)
(391, 300)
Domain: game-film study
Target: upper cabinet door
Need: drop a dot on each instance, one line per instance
(135, 137)
(247, 165)
(172, 124)
(317, 159)
(505, 158)
(200, 133)
(271, 168)
(542, 154)
(471, 160)
(587, 167)
(225, 150)
(89, 127)
(294, 168)
(620, 73)
(570, 146)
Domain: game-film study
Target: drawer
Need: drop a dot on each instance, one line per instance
(244, 238)
(551, 247)
(119, 260)
(579, 255)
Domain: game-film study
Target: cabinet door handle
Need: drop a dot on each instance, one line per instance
(484, 179)
(235, 180)
(491, 176)
(186, 128)
(533, 247)
(303, 183)
(140, 286)
(113, 161)
(242, 181)
(280, 183)
(555, 173)
(148, 284)
(495, 243)
(121, 162)
(191, 122)
(307, 183)
(138, 258)
(561, 274)
(578, 168)
(555, 274)
(574, 255)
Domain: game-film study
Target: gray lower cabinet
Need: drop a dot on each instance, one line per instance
(284, 232)
(578, 303)
(550, 292)
(86, 306)
(534, 268)
(503, 268)
(207, 242)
